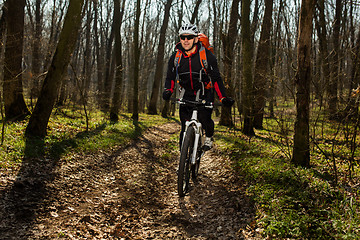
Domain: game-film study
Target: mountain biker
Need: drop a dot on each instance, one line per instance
(189, 72)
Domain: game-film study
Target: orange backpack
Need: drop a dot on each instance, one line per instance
(205, 42)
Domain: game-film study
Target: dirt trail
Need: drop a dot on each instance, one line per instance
(129, 193)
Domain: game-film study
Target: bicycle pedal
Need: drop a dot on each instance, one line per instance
(206, 148)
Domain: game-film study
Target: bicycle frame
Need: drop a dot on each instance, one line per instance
(198, 132)
(191, 151)
(194, 122)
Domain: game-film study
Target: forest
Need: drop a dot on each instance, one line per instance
(81, 78)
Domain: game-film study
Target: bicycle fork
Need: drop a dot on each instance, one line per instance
(196, 143)
(197, 126)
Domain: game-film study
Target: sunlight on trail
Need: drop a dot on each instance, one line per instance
(130, 193)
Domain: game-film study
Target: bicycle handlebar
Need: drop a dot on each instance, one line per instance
(196, 103)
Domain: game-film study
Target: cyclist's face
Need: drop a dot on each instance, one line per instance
(187, 41)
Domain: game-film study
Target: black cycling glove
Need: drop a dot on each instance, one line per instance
(227, 101)
(167, 94)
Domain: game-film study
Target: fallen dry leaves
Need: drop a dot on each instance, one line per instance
(129, 193)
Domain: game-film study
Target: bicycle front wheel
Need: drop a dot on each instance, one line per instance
(185, 162)
(195, 168)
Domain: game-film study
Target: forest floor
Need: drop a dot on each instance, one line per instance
(125, 193)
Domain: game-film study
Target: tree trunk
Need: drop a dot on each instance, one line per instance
(3, 22)
(36, 58)
(15, 106)
(115, 104)
(135, 112)
(99, 55)
(56, 20)
(352, 107)
(261, 69)
(105, 99)
(2, 37)
(301, 149)
(130, 72)
(275, 56)
(67, 41)
(247, 52)
(180, 13)
(166, 109)
(323, 43)
(229, 43)
(152, 109)
(195, 12)
(215, 25)
(255, 21)
(334, 74)
(87, 70)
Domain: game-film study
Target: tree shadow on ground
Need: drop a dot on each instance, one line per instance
(26, 196)
(216, 206)
(275, 183)
(215, 214)
(174, 119)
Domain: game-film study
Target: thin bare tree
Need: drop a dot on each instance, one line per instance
(247, 52)
(228, 44)
(136, 52)
(118, 17)
(261, 82)
(334, 71)
(68, 37)
(36, 56)
(323, 43)
(195, 12)
(152, 109)
(301, 149)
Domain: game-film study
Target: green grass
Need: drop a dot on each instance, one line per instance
(293, 202)
(172, 147)
(67, 135)
(290, 202)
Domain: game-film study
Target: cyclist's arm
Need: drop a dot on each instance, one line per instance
(215, 75)
(171, 75)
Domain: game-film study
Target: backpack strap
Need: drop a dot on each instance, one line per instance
(205, 65)
(176, 63)
(203, 59)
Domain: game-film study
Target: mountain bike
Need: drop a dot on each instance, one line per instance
(192, 146)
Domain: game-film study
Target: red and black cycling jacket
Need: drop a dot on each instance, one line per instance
(189, 70)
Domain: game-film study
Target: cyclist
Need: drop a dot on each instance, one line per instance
(192, 77)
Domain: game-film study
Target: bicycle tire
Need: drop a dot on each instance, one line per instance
(199, 153)
(195, 168)
(184, 163)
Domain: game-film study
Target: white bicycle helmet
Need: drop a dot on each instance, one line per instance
(188, 28)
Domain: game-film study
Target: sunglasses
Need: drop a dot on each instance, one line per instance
(188, 37)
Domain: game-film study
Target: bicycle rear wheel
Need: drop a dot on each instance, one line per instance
(185, 162)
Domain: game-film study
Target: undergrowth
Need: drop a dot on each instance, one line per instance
(294, 202)
(67, 135)
(321, 202)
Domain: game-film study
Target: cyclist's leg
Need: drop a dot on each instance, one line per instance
(208, 125)
(204, 116)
